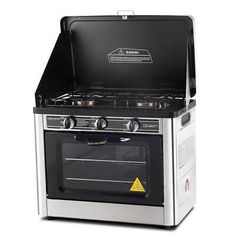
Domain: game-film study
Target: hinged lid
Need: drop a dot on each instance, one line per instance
(135, 52)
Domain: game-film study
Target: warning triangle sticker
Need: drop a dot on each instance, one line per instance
(137, 186)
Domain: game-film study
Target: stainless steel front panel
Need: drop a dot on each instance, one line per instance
(168, 172)
(106, 211)
(40, 161)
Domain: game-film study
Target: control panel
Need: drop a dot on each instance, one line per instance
(105, 124)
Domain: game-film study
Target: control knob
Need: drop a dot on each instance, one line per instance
(68, 123)
(100, 123)
(132, 126)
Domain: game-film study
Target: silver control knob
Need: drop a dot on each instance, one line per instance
(68, 123)
(100, 123)
(132, 126)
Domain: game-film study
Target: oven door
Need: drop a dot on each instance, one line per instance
(104, 167)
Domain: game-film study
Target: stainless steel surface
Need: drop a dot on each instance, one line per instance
(40, 160)
(185, 166)
(179, 167)
(168, 173)
(106, 211)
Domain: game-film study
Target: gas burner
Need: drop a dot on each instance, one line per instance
(149, 104)
(144, 104)
(83, 103)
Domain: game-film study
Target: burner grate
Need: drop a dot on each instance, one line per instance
(112, 99)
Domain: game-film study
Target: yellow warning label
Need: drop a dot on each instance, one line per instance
(137, 186)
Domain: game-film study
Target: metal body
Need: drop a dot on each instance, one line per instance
(179, 180)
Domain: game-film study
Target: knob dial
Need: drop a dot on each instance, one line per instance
(100, 123)
(132, 126)
(68, 123)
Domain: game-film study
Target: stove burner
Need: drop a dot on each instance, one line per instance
(84, 103)
(145, 104)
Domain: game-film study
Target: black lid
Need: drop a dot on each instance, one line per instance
(140, 52)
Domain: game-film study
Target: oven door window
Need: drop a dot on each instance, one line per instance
(104, 167)
(106, 164)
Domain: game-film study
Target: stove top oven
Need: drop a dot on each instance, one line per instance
(115, 121)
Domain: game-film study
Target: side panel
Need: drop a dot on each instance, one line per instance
(40, 161)
(185, 164)
(58, 75)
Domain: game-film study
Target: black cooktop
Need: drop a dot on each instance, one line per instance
(114, 99)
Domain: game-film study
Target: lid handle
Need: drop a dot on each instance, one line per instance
(125, 13)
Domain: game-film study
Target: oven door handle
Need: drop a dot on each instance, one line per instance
(101, 140)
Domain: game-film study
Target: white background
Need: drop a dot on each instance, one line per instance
(28, 31)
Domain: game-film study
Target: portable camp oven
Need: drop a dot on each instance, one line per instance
(115, 120)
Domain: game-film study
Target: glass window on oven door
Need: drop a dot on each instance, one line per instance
(108, 163)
